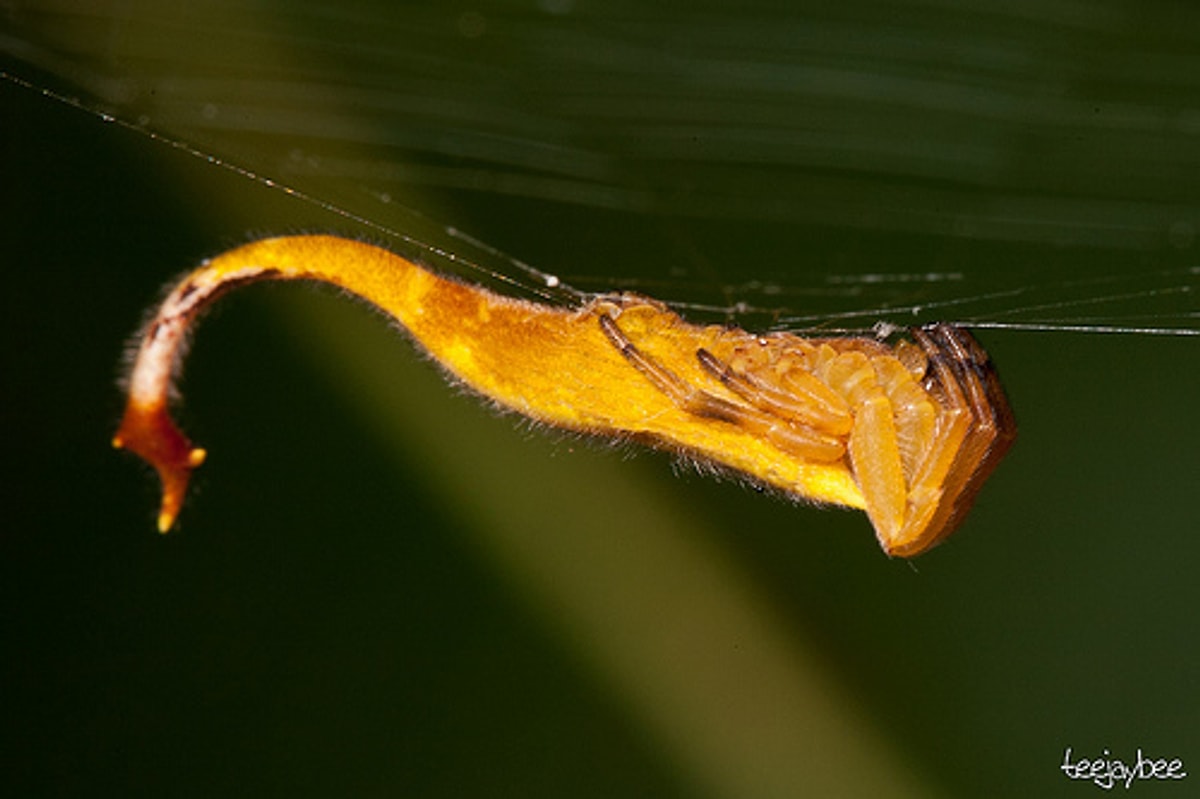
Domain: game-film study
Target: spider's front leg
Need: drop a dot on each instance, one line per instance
(790, 436)
(962, 377)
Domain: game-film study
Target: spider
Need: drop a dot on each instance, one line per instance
(922, 426)
(909, 432)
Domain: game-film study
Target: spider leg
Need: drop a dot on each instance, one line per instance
(793, 438)
(974, 429)
(693, 400)
(991, 429)
(806, 400)
(874, 445)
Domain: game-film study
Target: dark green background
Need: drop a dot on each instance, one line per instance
(333, 617)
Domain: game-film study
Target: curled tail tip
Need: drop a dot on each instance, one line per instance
(150, 433)
(166, 518)
(175, 481)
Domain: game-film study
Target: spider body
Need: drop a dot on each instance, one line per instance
(919, 426)
(906, 432)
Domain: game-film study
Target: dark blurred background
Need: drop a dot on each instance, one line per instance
(380, 587)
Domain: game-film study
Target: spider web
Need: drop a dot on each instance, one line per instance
(815, 173)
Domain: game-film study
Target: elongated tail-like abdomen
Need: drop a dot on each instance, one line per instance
(554, 365)
(909, 433)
